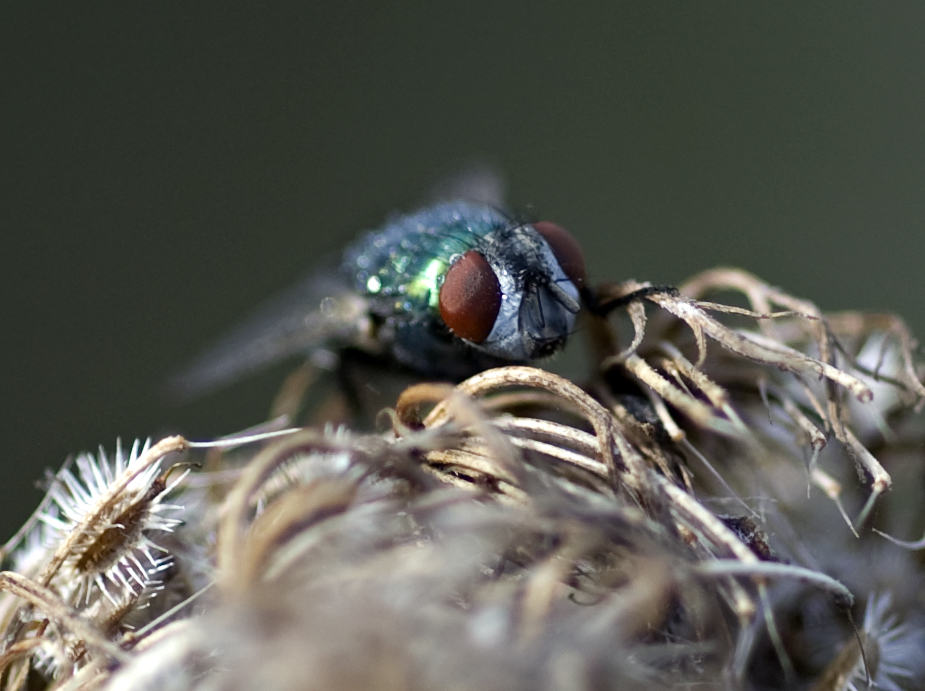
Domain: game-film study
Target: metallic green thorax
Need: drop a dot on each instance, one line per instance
(401, 267)
(399, 271)
(426, 287)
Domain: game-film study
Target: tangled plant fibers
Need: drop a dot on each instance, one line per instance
(711, 509)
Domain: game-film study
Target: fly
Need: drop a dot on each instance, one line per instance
(445, 291)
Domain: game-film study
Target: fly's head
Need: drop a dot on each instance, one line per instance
(516, 294)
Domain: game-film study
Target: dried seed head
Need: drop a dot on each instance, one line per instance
(893, 646)
(115, 553)
(892, 652)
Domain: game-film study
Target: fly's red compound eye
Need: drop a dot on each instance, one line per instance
(566, 250)
(470, 297)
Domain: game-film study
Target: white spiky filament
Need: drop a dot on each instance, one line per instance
(115, 555)
(893, 647)
(36, 545)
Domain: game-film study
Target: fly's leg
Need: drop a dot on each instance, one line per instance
(349, 384)
(293, 392)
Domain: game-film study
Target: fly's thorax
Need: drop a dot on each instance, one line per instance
(401, 266)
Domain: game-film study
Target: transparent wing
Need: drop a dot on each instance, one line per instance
(476, 181)
(317, 310)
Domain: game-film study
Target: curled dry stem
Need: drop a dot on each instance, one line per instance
(787, 327)
(56, 610)
(239, 504)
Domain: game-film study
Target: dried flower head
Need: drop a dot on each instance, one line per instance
(886, 653)
(659, 526)
(115, 551)
(97, 527)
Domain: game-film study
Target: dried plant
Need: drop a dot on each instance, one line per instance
(710, 510)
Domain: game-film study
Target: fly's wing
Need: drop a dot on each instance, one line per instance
(317, 310)
(475, 182)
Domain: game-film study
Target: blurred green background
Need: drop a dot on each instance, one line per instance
(167, 166)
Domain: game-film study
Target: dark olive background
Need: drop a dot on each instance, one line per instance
(167, 166)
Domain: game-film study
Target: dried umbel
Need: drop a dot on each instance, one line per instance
(91, 555)
(661, 526)
(114, 550)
